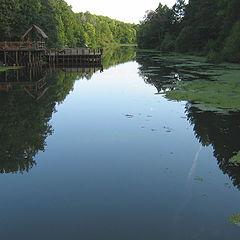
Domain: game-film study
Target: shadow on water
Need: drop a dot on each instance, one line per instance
(221, 129)
(28, 100)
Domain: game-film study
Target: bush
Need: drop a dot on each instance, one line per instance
(168, 43)
(214, 57)
(231, 50)
(184, 42)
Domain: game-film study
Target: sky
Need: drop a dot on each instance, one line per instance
(130, 11)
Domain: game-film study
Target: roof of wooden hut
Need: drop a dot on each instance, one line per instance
(37, 29)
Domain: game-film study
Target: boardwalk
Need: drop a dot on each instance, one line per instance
(30, 52)
(22, 53)
(75, 56)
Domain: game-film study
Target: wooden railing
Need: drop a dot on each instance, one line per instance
(75, 51)
(22, 45)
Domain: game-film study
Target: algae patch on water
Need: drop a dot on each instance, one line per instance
(221, 94)
(235, 159)
(209, 87)
(199, 179)
(235, 219)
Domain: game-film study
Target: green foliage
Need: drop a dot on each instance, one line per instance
(184, 40)
(7, 17)
(168, 43)
(210, 28)
(235, 159)
(63, 27)
(214, 57)
(103, 31)
(154, 27)
(231, 49)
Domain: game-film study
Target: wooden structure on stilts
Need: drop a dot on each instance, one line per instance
(32, 51)
(75, 57)
(28, 52)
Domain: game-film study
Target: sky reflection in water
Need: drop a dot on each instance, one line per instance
(120, 163)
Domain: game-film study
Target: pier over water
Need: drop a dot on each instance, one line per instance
(32, 53)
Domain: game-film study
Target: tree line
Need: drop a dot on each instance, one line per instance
(63, 27)
(206, 27)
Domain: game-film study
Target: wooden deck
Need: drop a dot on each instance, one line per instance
(74, 56)
(22, 53)
(33, 53)
(19, 46)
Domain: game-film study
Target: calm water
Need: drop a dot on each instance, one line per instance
(91, 154)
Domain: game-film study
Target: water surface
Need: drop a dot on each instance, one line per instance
(91, 154)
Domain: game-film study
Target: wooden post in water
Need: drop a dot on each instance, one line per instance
(5, 58)
(16, 60)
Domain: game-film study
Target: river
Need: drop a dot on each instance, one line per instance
(102, 153)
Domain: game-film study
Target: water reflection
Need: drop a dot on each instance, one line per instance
(211, 128)
(118, 55)
(28, 98)
(220, 131)
(156, 72)
(163, 69)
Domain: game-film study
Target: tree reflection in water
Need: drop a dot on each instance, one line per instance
(220, 131)
(211, 128)
(28, 99)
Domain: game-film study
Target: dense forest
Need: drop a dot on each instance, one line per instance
(206, 27)
(63, 27)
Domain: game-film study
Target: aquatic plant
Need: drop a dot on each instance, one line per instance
(219, 93)
(198, 179)
(235, 159)
(235, 219)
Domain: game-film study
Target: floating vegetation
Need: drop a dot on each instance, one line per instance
(199, 179)
(235, 219)
(209, 87)
(220, 92)
(235, 159)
